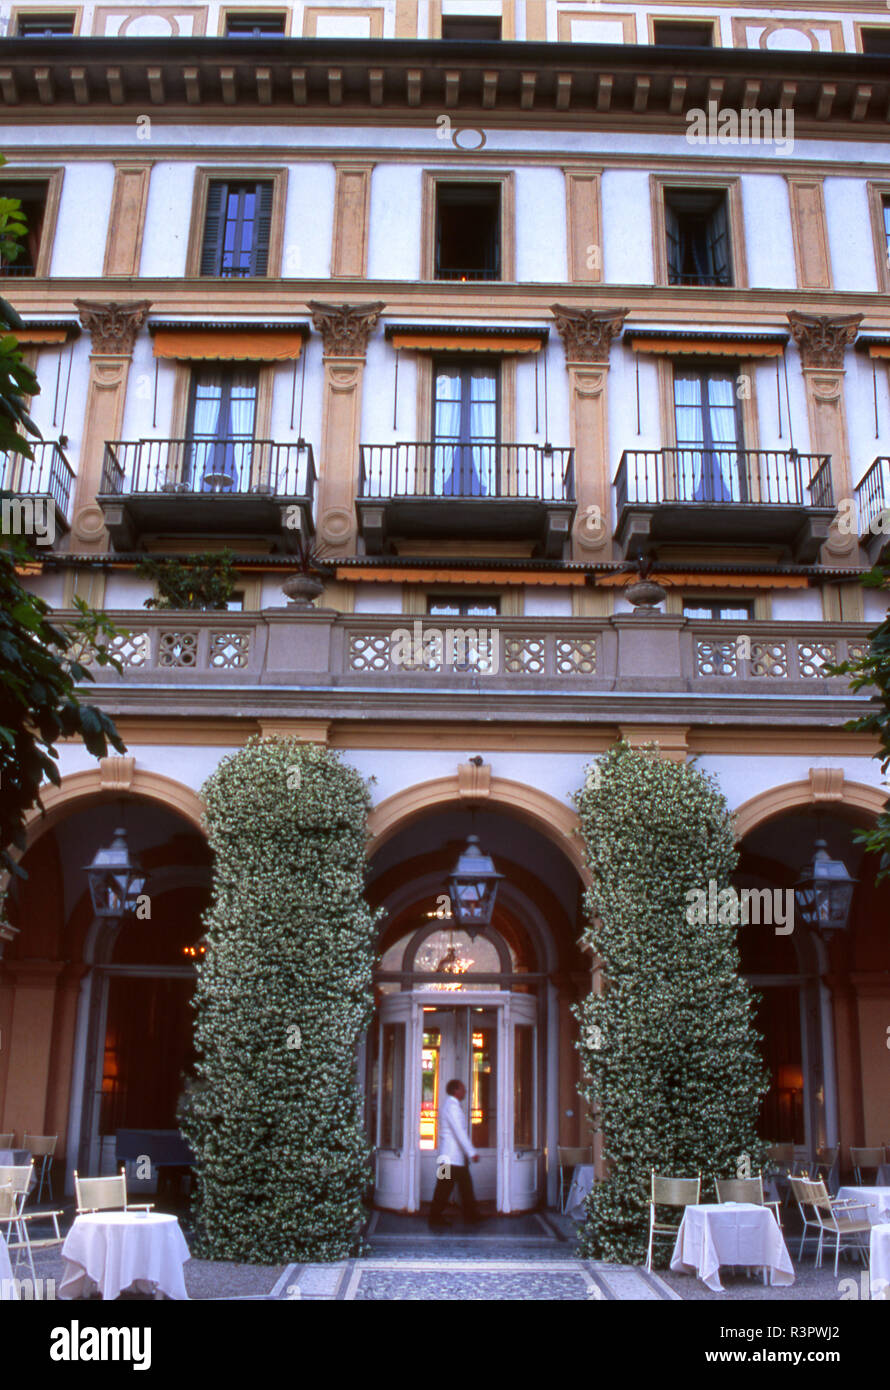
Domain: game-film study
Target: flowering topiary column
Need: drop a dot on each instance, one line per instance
(669, 1046)
(284, 995)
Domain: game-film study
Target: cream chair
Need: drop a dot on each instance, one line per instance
(800, 1187)
(14, 1184)
(823, 1166)
(570, 1159)
(745, 1190)
(669, 1192)
(837, 1218)
(872, 1158)
(42, 1146)
(7, 1141)
(105, 1194)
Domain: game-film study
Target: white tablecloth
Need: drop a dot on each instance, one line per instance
(738, 1233)
(117, 1250)
(879, 1261)
(582, 1182)
(7, 1288)
(878, 1199)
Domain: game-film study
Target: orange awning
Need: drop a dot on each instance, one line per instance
(706, 347)
(222, 346)
(447, 576)
(35, 336)
(437, 341)
(710, 581)
(879, 349)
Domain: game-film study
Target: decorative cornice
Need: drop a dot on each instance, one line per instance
(345, 328)
(821, 338)
(588, 333)
(113, 325)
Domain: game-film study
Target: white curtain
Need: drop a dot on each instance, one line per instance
(446, 455)
(690, 431)
(223, 415)
(720, 469)
(483, 432)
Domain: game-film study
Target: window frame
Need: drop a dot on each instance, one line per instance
(472, 21)
(432, 178)
(662, 184)
(705, 21)
(19, 13)
(237, 174)
(465, 364)
(878, 197)
(705, 370)
(53, 178)
(238, 13)
(859, 26)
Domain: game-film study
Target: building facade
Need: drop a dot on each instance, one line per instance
(490, 301)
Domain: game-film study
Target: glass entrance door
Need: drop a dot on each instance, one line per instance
(460, 1044)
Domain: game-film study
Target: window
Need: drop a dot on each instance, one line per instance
(876, 40)
(716, 609)
(466, 27)
(466, 428)
(885, 213)
(254, 26)
(44, 26)
(237, 228)
(220, 431)
(697, 236)
(668, 34)
(468, 231)
(709, 437)
(443, 606)
(32, 197)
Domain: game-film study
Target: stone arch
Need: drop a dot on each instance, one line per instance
(538, 809)
(776, 801)
(113, 777)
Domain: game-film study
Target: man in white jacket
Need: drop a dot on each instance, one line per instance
(455, 1148)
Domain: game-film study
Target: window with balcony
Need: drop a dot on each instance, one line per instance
(709, 437)
(667, 33)
(468, 231)
(697, 237)
(466, 429)
(470, 27)
(237, 229)
(33, 198)
(885, 214)
(220, 430)
(44, 26)
(717, 610)
(254, 26)
(876, 40)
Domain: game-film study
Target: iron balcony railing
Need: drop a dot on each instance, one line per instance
(47, 474)
(765, 477)
(532, 472)
(208, 466)
(873, 496)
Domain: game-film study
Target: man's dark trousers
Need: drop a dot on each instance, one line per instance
(459, 1173)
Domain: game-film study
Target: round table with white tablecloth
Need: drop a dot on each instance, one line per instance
(7, 1284)
(875, 1203)
(879, 1261)
(730, 1233)
(117, 1250)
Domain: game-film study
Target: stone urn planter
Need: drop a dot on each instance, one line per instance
(301, 590)
(645, 595)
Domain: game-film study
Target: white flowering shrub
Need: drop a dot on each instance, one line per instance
(674, 1076)
(284, 994)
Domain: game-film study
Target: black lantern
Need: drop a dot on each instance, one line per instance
(116, 879)
(472, 887)
(824, 892)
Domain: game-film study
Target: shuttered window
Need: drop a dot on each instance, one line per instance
(697, 232)
(237, 228)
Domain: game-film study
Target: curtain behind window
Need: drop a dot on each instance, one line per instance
(707, 430)
(223, 415)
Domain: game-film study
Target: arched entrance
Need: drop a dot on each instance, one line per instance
(99, 1016)
(493, 1012)
(822, 1001)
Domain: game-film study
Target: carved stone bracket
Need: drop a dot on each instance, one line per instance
(345, 328)
(116, 773)
(588, 333)
(822, 339)
(113, 326)
(826, 784)
(473, 781)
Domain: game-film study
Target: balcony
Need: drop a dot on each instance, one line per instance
(46, 479)
(873, 507)
(730, 496)
(426, 491)
(224, 487)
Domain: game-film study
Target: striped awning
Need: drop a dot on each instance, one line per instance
(455, 576)
(458, 338)
(40, 337)
(223, 345)
(710, 581)
(707, 347)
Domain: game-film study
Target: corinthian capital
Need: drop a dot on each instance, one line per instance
(345, 328)
(112, 325)
(822, 338)
(588, 333)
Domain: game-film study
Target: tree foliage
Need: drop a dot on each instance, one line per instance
(284, 995)
(200, 582)
(669, 1047)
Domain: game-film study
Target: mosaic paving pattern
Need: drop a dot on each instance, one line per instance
(452, 1279)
